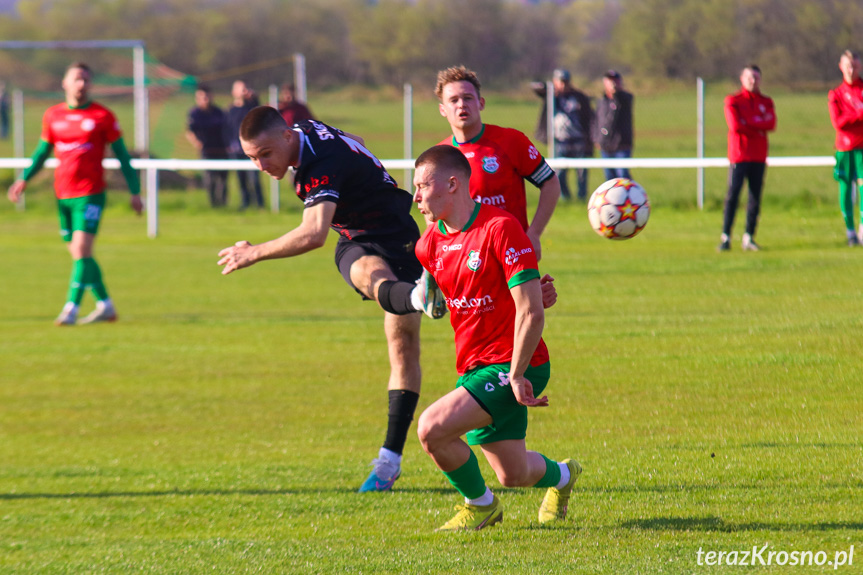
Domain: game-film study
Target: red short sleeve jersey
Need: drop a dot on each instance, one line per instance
(475, 269)
(79, 137)
(500, 160)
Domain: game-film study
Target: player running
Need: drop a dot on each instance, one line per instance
(501, 159)
(344, 187)
(78, 131)
(486, 267)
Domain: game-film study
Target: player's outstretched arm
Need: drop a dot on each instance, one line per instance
(309, 235)
(529, 322)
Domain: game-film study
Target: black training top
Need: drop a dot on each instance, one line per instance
(336, 168)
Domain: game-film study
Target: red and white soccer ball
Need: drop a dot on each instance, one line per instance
(618, 209)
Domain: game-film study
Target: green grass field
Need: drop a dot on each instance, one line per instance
(224, 423)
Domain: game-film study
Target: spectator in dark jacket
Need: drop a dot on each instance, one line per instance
(614, 123)
(206, 132)
(244, 100)
(573, 126)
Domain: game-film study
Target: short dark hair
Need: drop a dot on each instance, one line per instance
(753, 67)
(80, 66)
(259, 120)
(446, 157)
(203, 88)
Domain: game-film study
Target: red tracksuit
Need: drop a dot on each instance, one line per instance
(846, 112)
(750, 115)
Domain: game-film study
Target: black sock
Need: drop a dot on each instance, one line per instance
(395, 297)
(403, 403)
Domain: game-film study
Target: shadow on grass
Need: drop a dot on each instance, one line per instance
(216, 493)
(711, 523)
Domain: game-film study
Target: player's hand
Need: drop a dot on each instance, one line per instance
(534, 240)
(136, 203)
(523, 391)
(549, 293)
(15, 191)
(236, 257)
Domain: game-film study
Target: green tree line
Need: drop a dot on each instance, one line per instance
(389, 42)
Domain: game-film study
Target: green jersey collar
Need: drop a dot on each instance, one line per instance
(442, 227)
(473, 140)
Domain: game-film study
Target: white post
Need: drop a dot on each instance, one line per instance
(18, 135)
(699, 83)
(300, 78)
(408, 134)
(152, 175)
(274, 183)
(549, 117)
(142, 119)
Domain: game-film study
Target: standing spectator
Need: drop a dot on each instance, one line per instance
(78, 131)
(573, 125)
(4, 111)
(614, 119)
(846, 112)
(750, 115)
(291, 109)
(206, 132)
(244, 100)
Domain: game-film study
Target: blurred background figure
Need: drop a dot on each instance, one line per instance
(573, 126)
(206, 132)
(243, 100)
(614, 122)
(291, 109)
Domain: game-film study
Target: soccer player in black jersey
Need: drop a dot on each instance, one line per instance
(344, 187)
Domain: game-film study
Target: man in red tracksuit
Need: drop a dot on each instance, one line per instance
(750, 115)
(846, 112)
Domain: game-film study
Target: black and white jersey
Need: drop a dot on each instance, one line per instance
(334, 167)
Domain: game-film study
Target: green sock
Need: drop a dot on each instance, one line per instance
(76, 282)
(93, 277)
(467, 479)
(552, 474)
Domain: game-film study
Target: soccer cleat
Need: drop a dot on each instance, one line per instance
(474, 517)
(853, 239)
(725, 244)
(377, 479)
(101, 313)
(432, 299)
(749, 244)
(556, 501)
(66, 317)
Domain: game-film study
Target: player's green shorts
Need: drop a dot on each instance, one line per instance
(489, 385)
(80, 214)
(849, 166)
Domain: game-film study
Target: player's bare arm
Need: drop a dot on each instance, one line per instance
(309, 235)
(549, 194)
(16, 190)
(529, 323)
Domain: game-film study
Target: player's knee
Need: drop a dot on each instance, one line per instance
(430, 433)
(513, 477)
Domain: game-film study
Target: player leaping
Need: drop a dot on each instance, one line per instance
(344, 187)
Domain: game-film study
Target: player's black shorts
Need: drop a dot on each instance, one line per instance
(396, 251)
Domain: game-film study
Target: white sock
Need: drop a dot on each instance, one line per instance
(105, 304)
(724, 238)
(564, 475)
(391, 456)
(417, 298)
(485, 499)
(71, 307)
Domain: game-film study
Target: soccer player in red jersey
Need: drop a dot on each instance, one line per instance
(501, 158)
(486, 266)
(78, 131)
